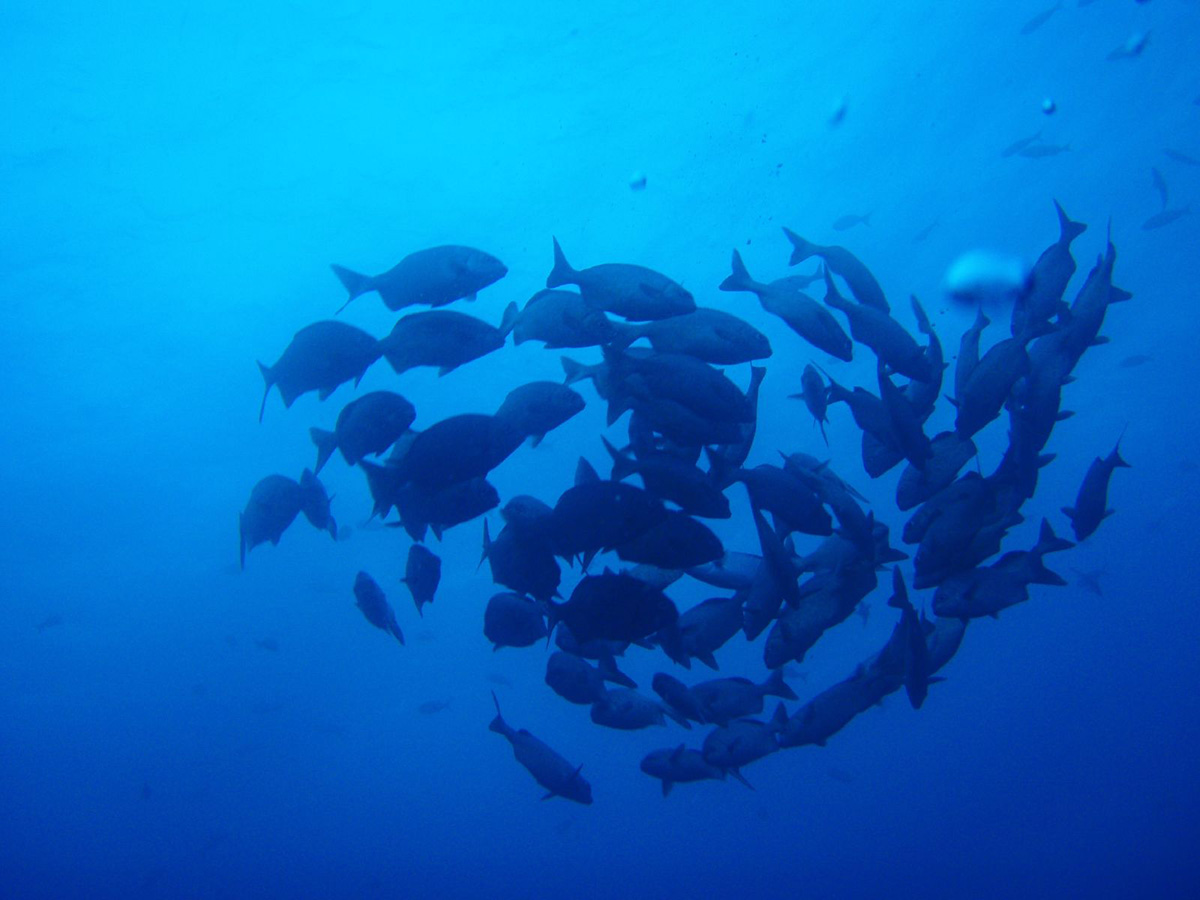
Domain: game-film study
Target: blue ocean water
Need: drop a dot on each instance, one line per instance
(176, 179)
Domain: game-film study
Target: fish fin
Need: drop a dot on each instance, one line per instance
(487, 545)
(622, 465)
(740, 279)
(355, 283)
(445, 370)
(736, 773)
(585, 473)
(776, 686)
(1067, 230)
(1069, 512)
(1117, 295)
(269, 378)
(324, 392)
(574, 371)
(667, 784)
(326, 443)
(801, 249)
(509, 319)
(561, 273)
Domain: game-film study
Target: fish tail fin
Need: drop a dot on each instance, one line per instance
(269, 378)
(487, 544)
(355, 283)
(326, 443)
(624, 335)
(1067, 230)
(574, 371)
(498, 724)
(736, 773)
(801, 249)
(899, 598)
(622, 465)
(609, 671)
(562, 273)
(509, 320)
(777, 687)
(1049, 542)
(740, 279)
(779, 719)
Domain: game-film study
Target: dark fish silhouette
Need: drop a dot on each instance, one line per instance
(786, 299)
(539, 407)
(886, 337)
(707, 334)
(632, 292)
(1040, 19)
(679, 766)
(370, 599)
(1091, 504)
(443, 339)
(511, 620)
(614, 607)
(321, 357)
(274, 503)
(431, 277)
(844, 264)
(551, 771)
(562, 319)
(422, 572)
(366, 426)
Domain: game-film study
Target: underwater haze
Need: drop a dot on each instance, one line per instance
(177, 180)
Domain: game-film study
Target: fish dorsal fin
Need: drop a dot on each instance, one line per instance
(585, 473)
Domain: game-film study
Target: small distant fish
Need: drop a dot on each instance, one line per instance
(1133, 46)
(1090, 581)
(1020, 144)
(1181, 157)
(1135, 359)
(1166, 217)
(924, 232)
(267, 644)
(1040, 19)
(432, 707)
(637, 182)
(838, 115)
(843, 223)
(51, 621)
(1049, 107)
(1042, 151)
(1160, 185)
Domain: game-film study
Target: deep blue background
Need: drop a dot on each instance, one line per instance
(176, 179)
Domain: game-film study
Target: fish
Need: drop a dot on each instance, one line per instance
(1040, 19)
(443, 339)
(845, 265)
(1134, 360)
(422, 572)
(511, 620)
(321, 357)
(1020, 144)
(370, 599)
(614, 607)
(734, 570)
(804, 315)
(679, 766)
(1180, 157)
(1166, 217)
(432, 707)
(670, 478)
(886, 337)
(269, 644)
(457, 449)
(53, 621)
(578, 681)
(1091, 504)
(677, 541)
(793, 505)
(548, 768)
(679, 696)
(815, 396)
(562, 319)
(1131, 48)
(632, 292)
(627, 710)
(274, 503)
(537, 408)
(366, 426)
(725, 699)
(1160, 185)
(521, 559)
(743, 741)
(432, 277)
(707, 334)
(1040, 299)
(846, 222)
(1090, 581)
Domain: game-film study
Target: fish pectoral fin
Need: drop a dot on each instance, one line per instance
(548, 795)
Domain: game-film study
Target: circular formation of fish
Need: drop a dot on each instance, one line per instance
(683, 409)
